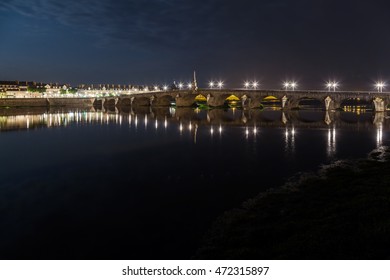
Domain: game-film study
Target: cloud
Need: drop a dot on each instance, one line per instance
(139, 23)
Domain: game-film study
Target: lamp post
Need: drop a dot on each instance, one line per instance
(380, 85)
(255, 84)
(332, 85)
(293, 85)
(220, 84)
(246, 85)
(286, 85)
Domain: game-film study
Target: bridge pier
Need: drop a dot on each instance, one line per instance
(185, 101)
(284, 102)
(245, 100)
(284, 118)
(331, 104)
(215, 101)
(254, 102)
(292, 103)
(151, 100)
(379, 118)
(327, 100)
(379, 104)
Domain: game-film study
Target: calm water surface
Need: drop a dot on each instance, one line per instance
(147, 184)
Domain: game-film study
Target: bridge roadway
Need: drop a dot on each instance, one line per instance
(249, 98)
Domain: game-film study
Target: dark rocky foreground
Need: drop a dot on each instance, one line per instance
(342, 212)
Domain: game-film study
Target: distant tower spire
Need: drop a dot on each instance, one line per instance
(194, 82)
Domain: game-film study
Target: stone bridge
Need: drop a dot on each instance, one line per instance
(248, 98)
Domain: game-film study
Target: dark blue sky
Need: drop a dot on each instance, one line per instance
(158, 41)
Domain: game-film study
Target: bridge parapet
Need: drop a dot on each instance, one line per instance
(253, 98)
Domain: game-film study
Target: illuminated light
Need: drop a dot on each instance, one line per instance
(189, 85)
(156, 124)
(255, 130)
(255, 84)
(211, 84)
(380, 85)
(286, 85)
(286, 133)
(136, 121)
(181, 127)
(165, 122)
(329, 85)
(180, 85)
(246, 84)
(190, 126)
(220, 129)
(211, 130)
(155, 87)
(165, 87)
(294, 85)
(379, 135)
(220, 84)
(332, 85)
(293, 131)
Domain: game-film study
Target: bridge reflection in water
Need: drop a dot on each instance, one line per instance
(190, 120)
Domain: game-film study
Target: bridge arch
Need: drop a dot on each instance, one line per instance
(310, 103)
(356, 104)
(201, 100)
(271, 101)
(163, 100)
(185, 99)
(217, 99)
(140, 101)
(233, 101)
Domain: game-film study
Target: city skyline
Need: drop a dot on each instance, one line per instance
(125, 42)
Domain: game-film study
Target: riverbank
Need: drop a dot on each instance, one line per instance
(342, 212)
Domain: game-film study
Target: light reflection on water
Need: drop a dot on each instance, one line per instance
(214, 120)
(159, 165)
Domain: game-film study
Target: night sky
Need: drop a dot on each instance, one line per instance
(159, 41)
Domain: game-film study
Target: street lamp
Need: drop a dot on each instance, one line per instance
(220, 84)
(293, 85)
(333, 85)
(180, 85)
(165, 87)
(255, 84)
(380, 85)
(189, 85)
(286, 85)
(246, 85)
(211, 84)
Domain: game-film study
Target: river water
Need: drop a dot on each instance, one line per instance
(148, 183)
